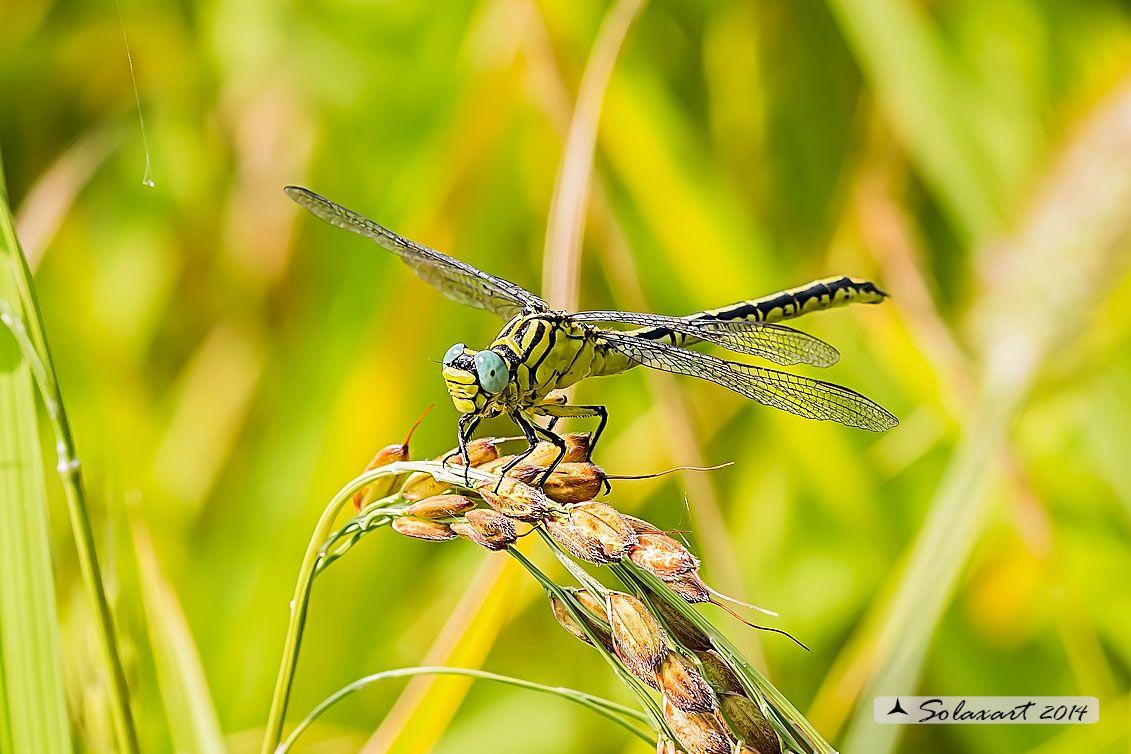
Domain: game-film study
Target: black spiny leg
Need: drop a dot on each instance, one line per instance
(559, 443)
(603, 414)
(528, 429)
(467, 425)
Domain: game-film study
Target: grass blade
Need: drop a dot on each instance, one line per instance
(184, 689)
(34, 716)
(23, 320)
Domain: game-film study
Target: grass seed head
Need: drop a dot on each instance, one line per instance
(440, 506)
(662, 555)
(515, 499)
(595, 623)
(493, 525)
(683, 630)
(748, 723)
(683, 685)
(664, 746)
(606, 525)
(690, 587)
(467, 531)
(639, 525)
(421, 485)
(574, 482)
(420, 528)
(639, 640)
(576, 542)
(698, 732)
(719, 673)
(384, 486)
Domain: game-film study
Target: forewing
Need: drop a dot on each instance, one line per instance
(455, 279)
(813, 399)
(777, 343)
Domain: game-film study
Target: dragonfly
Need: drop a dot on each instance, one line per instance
(540, 351)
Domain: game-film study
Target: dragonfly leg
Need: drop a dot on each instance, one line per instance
(467, 425)
(528, 429)
(576, 411)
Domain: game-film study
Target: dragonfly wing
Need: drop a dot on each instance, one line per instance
(777, 343)
(812, 399)
(455, 279)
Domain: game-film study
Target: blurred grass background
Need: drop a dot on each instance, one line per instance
(229, 364)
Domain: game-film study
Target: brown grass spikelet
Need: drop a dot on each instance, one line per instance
(386, 455)
(639, 640)
(469, 532)
(718, 672)
(666, 746)
(680, 628)
(681, 683)
(605, 524)
(576, 542)
(385, 485)
(639, 525)
(574, 482)
(662, 555)
(421, 528)
(595, 622)
(440, 506)
(493, 525)
(515, 499)
(698, 732)
(690, 587)
(748, 723)
(741, 713)
(576, 451)
(421, 485)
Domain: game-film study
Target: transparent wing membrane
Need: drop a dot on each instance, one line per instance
(812, 399)
(455, 279)
(777, 343)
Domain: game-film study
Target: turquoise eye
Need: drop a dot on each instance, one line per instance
(492, 371)
(454, 353)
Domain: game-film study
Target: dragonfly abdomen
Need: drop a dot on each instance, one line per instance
(811, 297)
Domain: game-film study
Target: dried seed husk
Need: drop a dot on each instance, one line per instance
(574, 482)
(421, 484)
(515, 499)
(597, 625)
(384, 486)
(719, 673)
(577, 543)
(440, 506)
(748, 723)
(662, 555)
(639, 525)
(576, 451)
(680, 628)
(666, 746)
(697, 732)
(494, 526)
(639, 640)
(606, 525)
(690, 587)
(595, 607)
(467, 531)
(421, 528)
(683, 685)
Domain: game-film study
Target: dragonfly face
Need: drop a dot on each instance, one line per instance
(474, 378)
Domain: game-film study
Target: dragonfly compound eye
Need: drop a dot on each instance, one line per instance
(453, 353)
(491, 370)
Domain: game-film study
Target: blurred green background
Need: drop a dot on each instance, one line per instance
(229, 363)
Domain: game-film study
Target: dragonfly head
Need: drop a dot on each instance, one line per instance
(474, 378)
